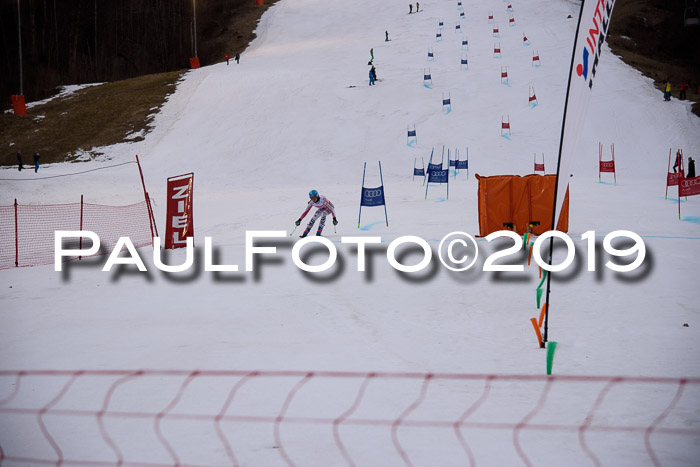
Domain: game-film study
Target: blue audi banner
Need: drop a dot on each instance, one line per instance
(438, 176)
(452, 163)
(434, 166)
(373, 196)
(462, 164)
(420, 172)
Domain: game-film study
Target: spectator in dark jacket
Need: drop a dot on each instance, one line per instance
(36, 162)
(19, 160)
(691, 168)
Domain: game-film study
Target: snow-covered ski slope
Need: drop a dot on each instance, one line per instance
(260, 135)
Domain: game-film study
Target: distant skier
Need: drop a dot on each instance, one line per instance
(373, 72)
(667, 94)
(324, 206)
(36, 162)
(410, 8)
(20, 166)
(372, 76)
(227, 57)
(371, 54)
(238, 59)
(417, 7)
(386, 33)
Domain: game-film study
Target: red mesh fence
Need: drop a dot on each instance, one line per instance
(27, 231)
(202, 418)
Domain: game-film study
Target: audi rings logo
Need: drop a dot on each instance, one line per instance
(687, 183)
(439, 173)
(373, 193)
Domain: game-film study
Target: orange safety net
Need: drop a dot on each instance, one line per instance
(27, 232)
(519, 200)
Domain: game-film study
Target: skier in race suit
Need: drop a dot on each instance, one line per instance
(324, 206)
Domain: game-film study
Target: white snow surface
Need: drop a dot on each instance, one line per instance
(297, 114)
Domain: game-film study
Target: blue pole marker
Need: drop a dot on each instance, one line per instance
(429, 164)
(363, 184)
(381, 180)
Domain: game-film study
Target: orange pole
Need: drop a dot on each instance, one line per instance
(537, 331)
(542, 313)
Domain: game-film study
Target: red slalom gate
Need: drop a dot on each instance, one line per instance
(178, 417)
(538, 167)
(606, 166)
(532, 97)
(505, 125)
(687, 187)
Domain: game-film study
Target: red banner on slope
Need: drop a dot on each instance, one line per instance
(179, 224)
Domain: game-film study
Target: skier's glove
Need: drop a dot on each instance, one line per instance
(298, 222)
(335, 221)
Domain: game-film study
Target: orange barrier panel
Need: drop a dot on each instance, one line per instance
(194, 62)
(18, 105)
(519, 200)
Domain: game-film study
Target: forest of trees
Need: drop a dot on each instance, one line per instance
(87, 41)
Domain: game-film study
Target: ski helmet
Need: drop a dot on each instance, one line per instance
(313, 194)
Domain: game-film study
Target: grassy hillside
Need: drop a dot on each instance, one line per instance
(92, 117)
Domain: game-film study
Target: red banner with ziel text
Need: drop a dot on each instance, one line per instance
(179, 222)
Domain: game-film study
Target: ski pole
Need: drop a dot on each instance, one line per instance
(292, 233)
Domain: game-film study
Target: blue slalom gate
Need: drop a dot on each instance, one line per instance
(416, 171)
(436, 174)
(372, 196)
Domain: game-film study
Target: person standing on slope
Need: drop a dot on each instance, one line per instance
(691, 168)
(324, 206)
